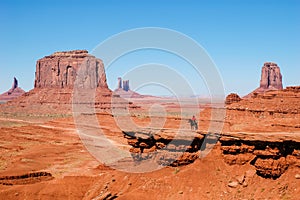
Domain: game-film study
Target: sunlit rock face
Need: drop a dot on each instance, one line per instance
(61, 70)
(271, 77)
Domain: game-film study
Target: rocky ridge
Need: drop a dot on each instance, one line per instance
(270, 154)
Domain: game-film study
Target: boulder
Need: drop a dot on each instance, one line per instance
(233, 184)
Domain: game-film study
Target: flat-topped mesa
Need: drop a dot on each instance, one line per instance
(61, 69)
(271, 77)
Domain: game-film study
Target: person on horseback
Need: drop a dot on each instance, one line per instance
(194, 118)
(193, 123)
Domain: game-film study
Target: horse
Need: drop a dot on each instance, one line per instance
(194, 125)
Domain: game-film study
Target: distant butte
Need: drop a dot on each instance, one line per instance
(124, 91)
(271, 79)
(14, 92)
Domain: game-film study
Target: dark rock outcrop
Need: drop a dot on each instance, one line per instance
(29, 178)
(15, 84)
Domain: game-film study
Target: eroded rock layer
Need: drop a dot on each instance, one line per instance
(270, 154)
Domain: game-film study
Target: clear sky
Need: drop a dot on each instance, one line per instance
(239, 35)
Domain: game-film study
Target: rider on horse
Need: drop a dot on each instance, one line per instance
(194, 118)
(194, 123)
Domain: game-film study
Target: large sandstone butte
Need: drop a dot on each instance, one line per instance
(271, 79)
(60, 70)
(14, 92)
(58, 77)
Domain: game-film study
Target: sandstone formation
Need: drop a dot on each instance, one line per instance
(262, 131)
(271, 111)
(232, 98)
(270, 154)
(14, 92)
(60, 70)
(161, 146)
(126, 85)
(119, 83)
(123, 85)
(58, 76)
(124, 90)
(271, 79)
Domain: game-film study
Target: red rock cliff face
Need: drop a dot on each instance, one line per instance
(271, 77)
(61, 70)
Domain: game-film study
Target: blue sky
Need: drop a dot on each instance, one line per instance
(238, 35)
